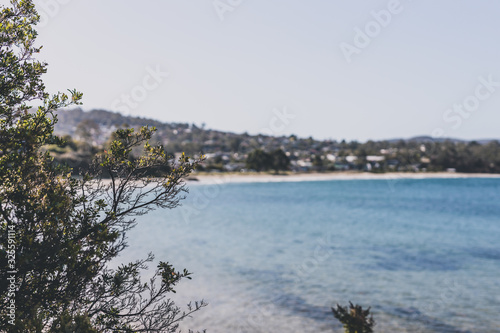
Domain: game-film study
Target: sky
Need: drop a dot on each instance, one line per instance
(354, 70)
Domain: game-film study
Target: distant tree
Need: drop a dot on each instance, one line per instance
(353, 145)
(218, 159)
(317, 162)
(57, 233)
(259, 160)
(88, 130)
(354, 318)
(234, 144)
(69, 142)
(280, 162)
(342, 153)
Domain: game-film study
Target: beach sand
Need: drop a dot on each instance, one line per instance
(219, 178)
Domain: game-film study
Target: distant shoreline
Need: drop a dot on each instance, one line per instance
(219, 178)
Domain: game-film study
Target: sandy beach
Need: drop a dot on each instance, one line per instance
(298, 177)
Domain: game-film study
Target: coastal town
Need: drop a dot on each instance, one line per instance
(87, 133)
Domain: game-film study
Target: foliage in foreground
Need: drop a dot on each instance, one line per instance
(354, 318)
(58, 234)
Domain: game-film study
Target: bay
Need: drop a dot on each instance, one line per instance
(275, 257)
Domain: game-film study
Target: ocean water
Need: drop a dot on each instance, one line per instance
(424, 254)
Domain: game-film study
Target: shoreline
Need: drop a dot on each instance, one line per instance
(301, 177)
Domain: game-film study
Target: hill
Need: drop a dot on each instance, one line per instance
(227, 151)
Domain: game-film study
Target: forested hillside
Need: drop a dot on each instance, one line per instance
(88, 132)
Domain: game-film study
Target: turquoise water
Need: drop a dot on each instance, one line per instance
(275, 257)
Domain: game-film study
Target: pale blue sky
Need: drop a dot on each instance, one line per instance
(264, 57)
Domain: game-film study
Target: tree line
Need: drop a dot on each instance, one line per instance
(402, 156)
(88, 132)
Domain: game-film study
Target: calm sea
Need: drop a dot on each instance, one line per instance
(275, 257)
